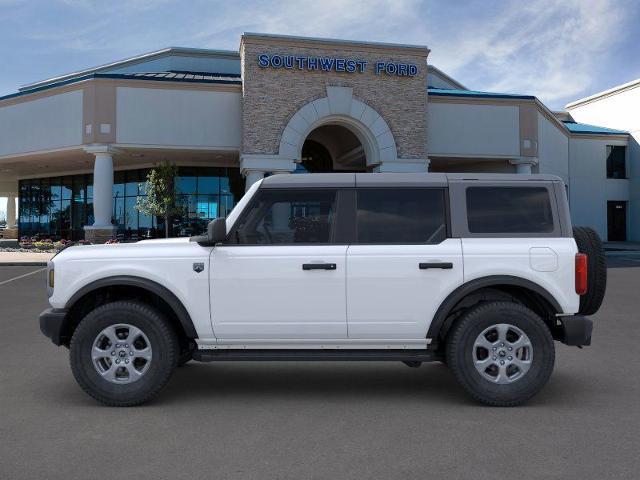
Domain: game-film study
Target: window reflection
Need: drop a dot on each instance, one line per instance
(59, 207)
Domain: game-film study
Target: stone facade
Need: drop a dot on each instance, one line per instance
(272, 96)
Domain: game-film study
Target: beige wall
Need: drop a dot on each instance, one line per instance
(190, 118)
(45, 123)
(553, 148)
(473, 129)
(272, 96)
(589, 188)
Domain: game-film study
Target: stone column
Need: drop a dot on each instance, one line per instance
(11, 232)
(254, 166)
(251, 177)
(102, 228)
(11, 211)
(524, 164)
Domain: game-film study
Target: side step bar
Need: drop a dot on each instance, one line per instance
(315, 355)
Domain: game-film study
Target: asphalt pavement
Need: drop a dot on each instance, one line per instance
(320, 420)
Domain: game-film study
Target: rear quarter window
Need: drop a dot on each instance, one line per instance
(509, 210)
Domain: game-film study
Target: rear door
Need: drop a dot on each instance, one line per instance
(282, 273)
(402, 264)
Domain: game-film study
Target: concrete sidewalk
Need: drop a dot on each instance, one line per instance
(24, 259)
(622, 249)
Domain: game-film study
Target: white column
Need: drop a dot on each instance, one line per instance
(524, 164)
(251, 177)
(103, 189)
(11, 211)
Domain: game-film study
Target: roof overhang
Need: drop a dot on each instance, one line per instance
(145, 57)
(606, 93)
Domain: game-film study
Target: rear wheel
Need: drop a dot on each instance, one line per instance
(123, 353)
(501, 353)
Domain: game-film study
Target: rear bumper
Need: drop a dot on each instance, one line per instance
(575, 330)
(52, 324)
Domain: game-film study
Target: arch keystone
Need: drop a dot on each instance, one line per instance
(339, 100)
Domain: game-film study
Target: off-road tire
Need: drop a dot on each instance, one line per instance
(165, 349)
(589, 243)
(459, 353)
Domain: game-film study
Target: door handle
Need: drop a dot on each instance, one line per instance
(442, 265)
(318, 266)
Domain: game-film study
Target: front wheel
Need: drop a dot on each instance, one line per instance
(123, 353)
(501, 353)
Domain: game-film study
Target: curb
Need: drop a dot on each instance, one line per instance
(622, 253)
(23, 264)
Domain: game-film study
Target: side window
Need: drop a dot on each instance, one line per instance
(400, 216)
(616, 167)
(509, 210)
(288, 217)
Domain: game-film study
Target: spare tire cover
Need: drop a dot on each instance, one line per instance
(589, 243)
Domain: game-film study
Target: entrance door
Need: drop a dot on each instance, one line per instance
(282, 275)
(402, 265)
(617, 221)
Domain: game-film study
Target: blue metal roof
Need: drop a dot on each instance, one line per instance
(575, 127)
(188, 77)
(444, 92)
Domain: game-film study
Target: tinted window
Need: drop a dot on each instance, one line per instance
(288, 216)
(509, 210)
(616, 167)
(401, 216)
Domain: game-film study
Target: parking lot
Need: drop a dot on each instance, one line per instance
(320, 420)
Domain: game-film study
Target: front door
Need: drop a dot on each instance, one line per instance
(402, 265)
(617, 221)
(281, 275)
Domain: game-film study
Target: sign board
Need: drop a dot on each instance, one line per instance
(335, 64)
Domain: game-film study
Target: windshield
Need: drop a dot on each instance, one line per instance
(240, 206)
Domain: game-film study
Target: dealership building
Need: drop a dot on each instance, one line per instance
(75, 149)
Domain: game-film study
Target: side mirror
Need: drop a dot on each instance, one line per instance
(217, 230)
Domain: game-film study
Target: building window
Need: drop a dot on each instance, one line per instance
(616, 161)
(60, 207)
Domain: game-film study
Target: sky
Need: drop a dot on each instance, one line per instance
(557, 50)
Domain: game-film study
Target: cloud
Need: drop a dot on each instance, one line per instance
(550, 49)
(557, 50)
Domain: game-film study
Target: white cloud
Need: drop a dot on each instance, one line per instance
(549, 48)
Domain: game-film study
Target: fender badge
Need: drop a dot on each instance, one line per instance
(198, 267)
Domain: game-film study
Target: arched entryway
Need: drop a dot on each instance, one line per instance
(337, 133)
(332, 148)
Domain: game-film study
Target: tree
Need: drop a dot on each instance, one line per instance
(160, 199)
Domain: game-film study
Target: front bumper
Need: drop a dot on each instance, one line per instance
(52, 325)
(575, 330)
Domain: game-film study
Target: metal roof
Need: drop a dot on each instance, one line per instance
(132, 61)
(585, 128)
(187, 77)
(444, 92)
(604, 93)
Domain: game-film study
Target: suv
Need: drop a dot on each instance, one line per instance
(481, 272)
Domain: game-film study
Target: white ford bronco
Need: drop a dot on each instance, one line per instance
(481, 272)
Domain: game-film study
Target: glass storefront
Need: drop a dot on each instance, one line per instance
(59, 207)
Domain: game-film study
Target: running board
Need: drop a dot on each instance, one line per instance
(315, 355)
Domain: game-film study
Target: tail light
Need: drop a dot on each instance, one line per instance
(581, 273)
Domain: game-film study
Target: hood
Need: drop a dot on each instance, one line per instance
(158, 248)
